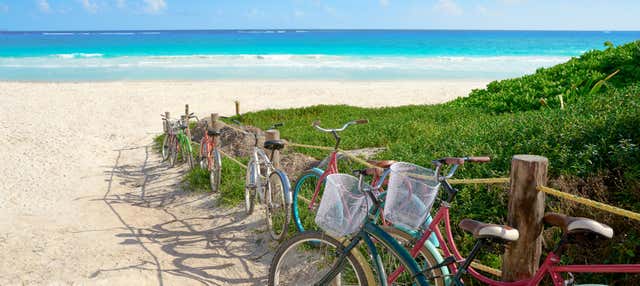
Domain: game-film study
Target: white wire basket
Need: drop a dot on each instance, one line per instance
(343, 206)
(411, 192)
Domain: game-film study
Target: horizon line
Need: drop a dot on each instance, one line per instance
(318, 29)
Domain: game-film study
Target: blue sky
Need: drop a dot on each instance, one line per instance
(319, 14)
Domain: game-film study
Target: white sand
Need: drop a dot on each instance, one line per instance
(84, 199)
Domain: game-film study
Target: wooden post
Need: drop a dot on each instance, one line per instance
(526, 209)
(166, 122)
(237, 102)
(273, 134)
(214, 126)
(186, 114)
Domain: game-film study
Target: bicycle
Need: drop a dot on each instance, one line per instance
(181, 142)
(271, 184)
(316, 243)
(307, 188)
(167, 128)
(210, 159)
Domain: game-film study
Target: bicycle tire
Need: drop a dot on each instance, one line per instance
(215, 171)
(313, 241)
(425, 259)
(250, 185)
(165, 148)
(302, 217)
(173, 148)
(281, 218)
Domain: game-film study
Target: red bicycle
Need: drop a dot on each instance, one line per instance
(210, 159)
(575, 229)
(307, 189)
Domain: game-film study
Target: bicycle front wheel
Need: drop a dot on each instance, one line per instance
(424, 258)
(165, 148)
(306, 258)
(250, 186)
(173, 151)
(304, 214)
(278, 214)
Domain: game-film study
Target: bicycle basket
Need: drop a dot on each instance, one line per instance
(410, 194)
(343, 206)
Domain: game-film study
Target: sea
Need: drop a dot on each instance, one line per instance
(290, 54)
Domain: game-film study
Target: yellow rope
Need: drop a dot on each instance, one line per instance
(233, 159)
(588, 202)
(486, 269)
(480, 181)
(309, 146)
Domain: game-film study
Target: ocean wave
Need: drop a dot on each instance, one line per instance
(58, 34)
(78, 55)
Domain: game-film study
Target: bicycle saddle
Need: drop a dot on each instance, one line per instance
(274, 144)
(381, 164)
(487, 230)
(213, 132)
(571, 225)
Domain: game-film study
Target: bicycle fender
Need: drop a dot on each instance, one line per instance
(287, 186)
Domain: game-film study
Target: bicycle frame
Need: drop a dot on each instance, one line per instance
(549, 266)
(209, 144)
(332, 168)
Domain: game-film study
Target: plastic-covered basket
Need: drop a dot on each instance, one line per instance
(343, 207)
(410, 194)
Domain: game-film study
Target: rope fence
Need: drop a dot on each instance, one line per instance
(547, 190)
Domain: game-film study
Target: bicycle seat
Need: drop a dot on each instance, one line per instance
(381, 164)
(571, 225)
(487, 230)
(274, 144)
(213, 132)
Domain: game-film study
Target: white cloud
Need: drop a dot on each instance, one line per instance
(91, 7)
(155, 6)
(512, 2)
(43, 6)
(298, 13)
(4, 8)
(384, 2)
(121, 3)
(482, 10)
(449, 7)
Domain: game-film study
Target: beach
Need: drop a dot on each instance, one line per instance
(86, 201)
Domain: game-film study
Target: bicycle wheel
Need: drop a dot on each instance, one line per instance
(278, 214)
(425, 260)
(250, 186)
(214, 172)
(187, 155)
(165, 148)
(305, 186)
(203, 160)
(173, 152)
(307, 257)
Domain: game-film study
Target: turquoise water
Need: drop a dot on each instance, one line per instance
(289, 54)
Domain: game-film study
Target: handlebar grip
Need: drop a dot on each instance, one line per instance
(484, 159)
(453, 161)
(362, 121)
(315, 123)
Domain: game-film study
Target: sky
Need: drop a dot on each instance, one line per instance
(319, 14)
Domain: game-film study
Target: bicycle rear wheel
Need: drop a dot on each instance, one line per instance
(250, 186)
(215, 170)
(278, 214)
(307, 257)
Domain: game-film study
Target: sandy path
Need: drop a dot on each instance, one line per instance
(85, 201)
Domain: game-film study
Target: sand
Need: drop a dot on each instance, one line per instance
(84, 200)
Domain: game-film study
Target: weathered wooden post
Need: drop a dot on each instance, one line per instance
(214, 125)
(166, 122)
(237, 102)
(273, 134)
(526, 209)
(186, 113)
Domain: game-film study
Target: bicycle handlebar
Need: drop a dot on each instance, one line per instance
(455, 162)
(316, 124)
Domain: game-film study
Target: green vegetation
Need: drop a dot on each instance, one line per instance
(592, 143)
